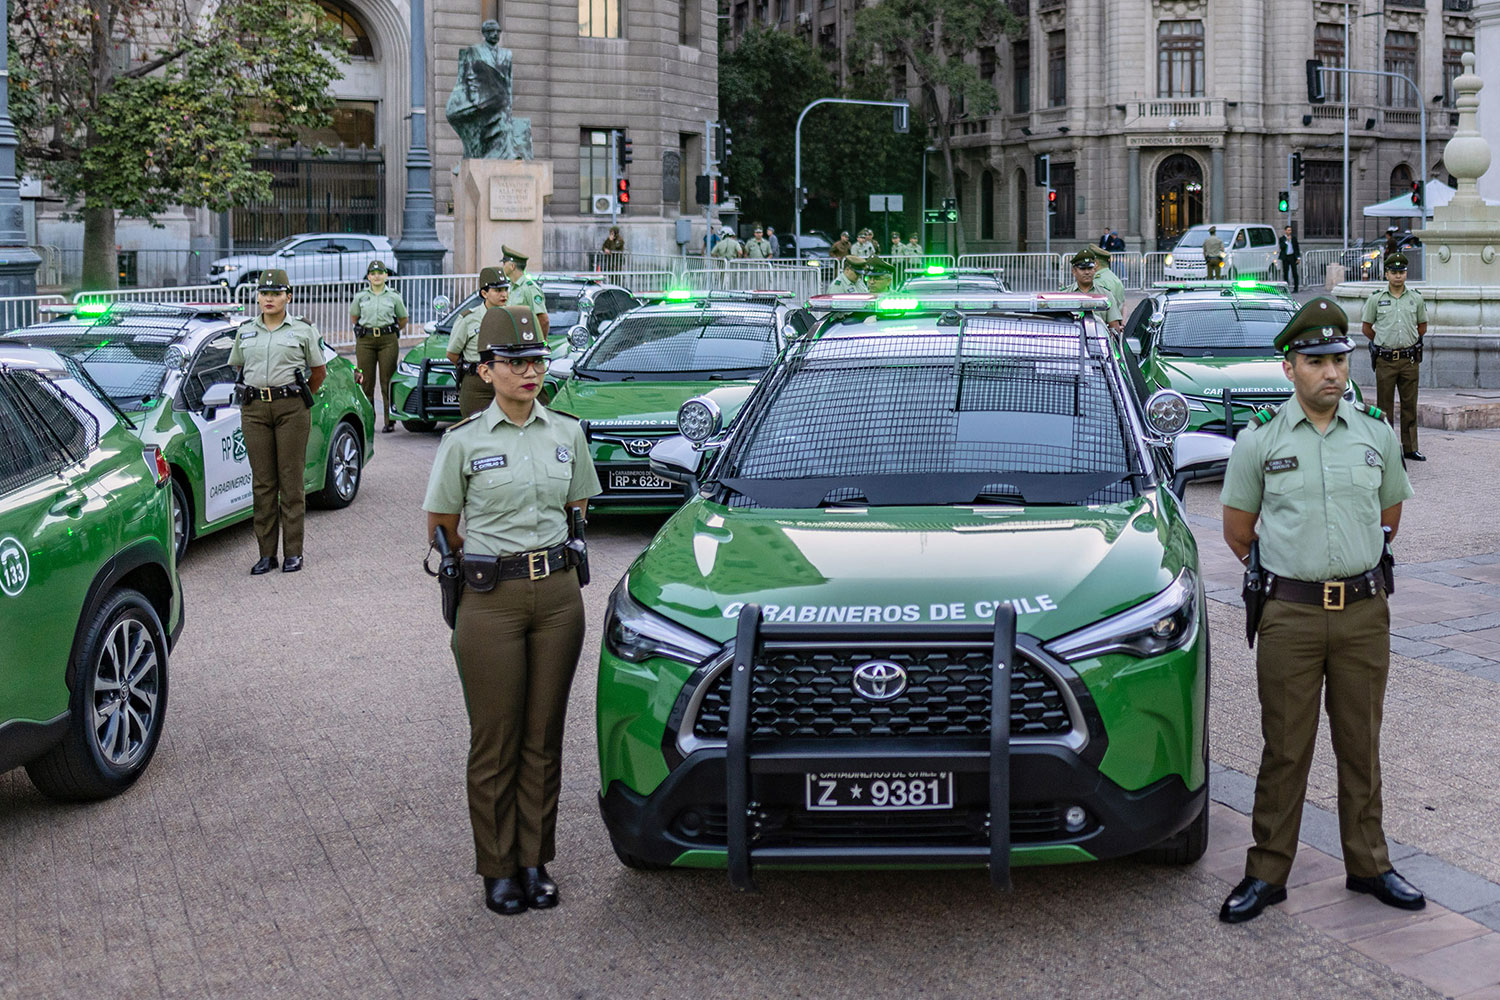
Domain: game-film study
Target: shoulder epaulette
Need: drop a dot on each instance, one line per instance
(466, 312)
(466, 420)
(1369, 411)
(1265, 414)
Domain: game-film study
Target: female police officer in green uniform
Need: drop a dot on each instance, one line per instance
(511, 471)
(271, 351)
(379, 315)
(474, 394)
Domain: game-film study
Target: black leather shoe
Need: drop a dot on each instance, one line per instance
(388, 427)
(1249, 898)
(1390, 888)
(292, 564)
(1414, 456)
(264, 565)
(504, 896)
(541, 891)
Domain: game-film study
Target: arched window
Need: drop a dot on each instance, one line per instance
(1401, 180)
(353, 29)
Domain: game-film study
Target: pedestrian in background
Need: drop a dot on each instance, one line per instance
(758, 247)
(511, 471)
(281, 368)
(1314, 488)
(474, 394)
(524, 289)
(728, 248)
(866, 247)
(1104, 241)
(1213, 254)
(1395, 321)
(1290, 252)
(775, 241)
(840, 248)
(1116, 243)
(379, 315)
(614, 242)
(913, 246)
(1106, 280)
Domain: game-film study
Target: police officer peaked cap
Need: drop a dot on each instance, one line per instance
(492, 277)
(273, 280)
(1085, 258)
(877, 266)
(506, 253)
(1100, 254)
(854, 263)
(1395, 262)
(1320, 327)
(377, 265)
(510, 332)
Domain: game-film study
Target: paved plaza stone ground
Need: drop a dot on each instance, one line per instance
(302, 832)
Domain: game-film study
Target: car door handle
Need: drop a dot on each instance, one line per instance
(69, 503)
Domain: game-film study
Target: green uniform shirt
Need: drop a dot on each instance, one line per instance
(1213, 247)
(758, 248)
(464, 340)
(380, 310)
(528, 293)
(272, 358)
(1110, 284)
(1395, 317)
(865, 249)
(728, 248)
(1319, 495)
(511, 482)
(843, 284)
(1114, 312)
(905, 250)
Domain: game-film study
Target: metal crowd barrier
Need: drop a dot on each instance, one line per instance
(326, 305)
(23, 310)
(177, 293)
(1022, 272)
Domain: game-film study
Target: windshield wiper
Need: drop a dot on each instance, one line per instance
(581, 373)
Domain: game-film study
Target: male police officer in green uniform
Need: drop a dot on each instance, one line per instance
(474, 394)
(271, 351)
(848, 279)
(1322, 477)
(1213, 254)
(1395, 321)
(512, 470)
(524, 289)
(379, 315)
(878, 276)
(1106, 280)
(1085, 264)
(758, 247)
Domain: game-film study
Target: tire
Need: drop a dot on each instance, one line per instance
(633, 861)
(100, 756)
(419, 426)
(342, 470)
(1185, 847)
(182, 519)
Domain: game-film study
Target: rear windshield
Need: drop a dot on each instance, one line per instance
(128, 361)
(1230, 326)
(696, 344)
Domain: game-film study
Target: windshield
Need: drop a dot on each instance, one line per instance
(688, 344)
(1026, 418)
(1221, 328)
(129, 365)
(1192, 238)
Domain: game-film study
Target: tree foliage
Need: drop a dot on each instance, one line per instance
(138, 105)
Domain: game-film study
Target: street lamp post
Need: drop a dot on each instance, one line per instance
(797, 144)
(419, 251)
(18, 262)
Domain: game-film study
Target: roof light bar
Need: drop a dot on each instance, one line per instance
(104, 308)
(1218, 283)
(935, 269)
(849, 302)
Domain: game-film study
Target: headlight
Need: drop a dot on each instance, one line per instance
(1169, 260)
(1167, 621)
(226, 268)
(408, 369)
(633, 633)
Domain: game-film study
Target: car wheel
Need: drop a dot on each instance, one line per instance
(119, 684)
(182, 519)
(419, 426)
(342, 471)
(1186, 846)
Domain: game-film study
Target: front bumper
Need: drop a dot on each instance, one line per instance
(622, 460)
(431, 396)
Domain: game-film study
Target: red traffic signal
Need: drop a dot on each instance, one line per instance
(1051, 200)
(1416, 193)
(622, 192)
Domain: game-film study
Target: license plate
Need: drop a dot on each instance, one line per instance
(879, 791)
(642, 481)
(450, 397)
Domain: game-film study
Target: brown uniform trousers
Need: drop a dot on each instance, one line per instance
(517, 647)
(375, 356)
(1390, 376)
(1301, 646)
(474, 394)
(276, 443)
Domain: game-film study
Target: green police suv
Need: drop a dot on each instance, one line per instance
(933, 564)
(424, 392)
(164, 369)
(629, 384)
(89, 600)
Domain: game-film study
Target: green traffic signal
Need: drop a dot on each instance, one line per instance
(1284, 203)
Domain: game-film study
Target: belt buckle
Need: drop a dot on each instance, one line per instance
(1333, 591)
(264, 395)
(535, 558)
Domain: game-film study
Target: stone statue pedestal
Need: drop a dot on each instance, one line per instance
(498, 202)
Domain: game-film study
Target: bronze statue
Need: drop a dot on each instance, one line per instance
(479, 107)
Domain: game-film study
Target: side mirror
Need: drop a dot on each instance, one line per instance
(218, 395)
(578, 337)
(288, 253)
(677, 459)
(1166, 413)
(1199, 456)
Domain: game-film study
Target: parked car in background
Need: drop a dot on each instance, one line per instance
(307, 258)
(812, 245)
(1250, 249)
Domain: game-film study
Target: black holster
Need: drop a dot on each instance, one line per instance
(1254, 592)
(360, 330)
(1387, 564)
(304, 390)
(450, 577)
(578, 546)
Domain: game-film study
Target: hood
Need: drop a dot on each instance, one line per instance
(1209, 377)
(629, 404)
(1060, 567)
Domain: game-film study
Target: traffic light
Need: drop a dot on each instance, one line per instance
(623, 148)
(1041, 170)
(802, 197)
(902, 119)
(1051, 201)
(1315, 82)
(723, 140)
(703, 190)
(1284, 203)
(622, 192)
(1416, 193)
(1299, 169)
(728, 142)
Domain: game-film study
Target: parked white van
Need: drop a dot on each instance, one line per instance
(1249, 248)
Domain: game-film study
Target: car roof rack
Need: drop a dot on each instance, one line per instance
(93, 310)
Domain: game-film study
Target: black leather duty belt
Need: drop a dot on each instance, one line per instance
(538, 564)
(375, 331)
(253, 394)
(1330, 595)
(1398, 354)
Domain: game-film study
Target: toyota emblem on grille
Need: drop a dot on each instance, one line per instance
(879, 680)
(638, 447)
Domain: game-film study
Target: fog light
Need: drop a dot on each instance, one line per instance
(690, 824)
(1074, 818)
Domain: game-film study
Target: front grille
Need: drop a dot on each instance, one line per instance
(1030, 823)
(798, 693)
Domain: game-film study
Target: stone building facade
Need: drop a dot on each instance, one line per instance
(1158, 114)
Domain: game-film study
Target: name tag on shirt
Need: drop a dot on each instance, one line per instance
(486, 464)
(249, 335)
(1385, 302)
(1280, 464)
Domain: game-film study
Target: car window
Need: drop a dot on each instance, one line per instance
(1240, 240)
(1262, 237)
(40, 433)
(689, 343)
(357, 245)
(209, 368)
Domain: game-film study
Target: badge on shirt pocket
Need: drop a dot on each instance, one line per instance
(487, 463)
(563, 454)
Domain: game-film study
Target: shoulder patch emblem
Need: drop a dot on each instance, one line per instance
(1265, 414)
(1372, 458)
(1370, 411)
(563, 454)
(466, 420)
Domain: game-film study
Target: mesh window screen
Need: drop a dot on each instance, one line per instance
(697, 342)
(127, 357)
(1226, 327)
(40, 432)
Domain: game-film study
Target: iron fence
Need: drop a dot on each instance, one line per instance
(326, 304)
(178, 293)
(23, 310)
